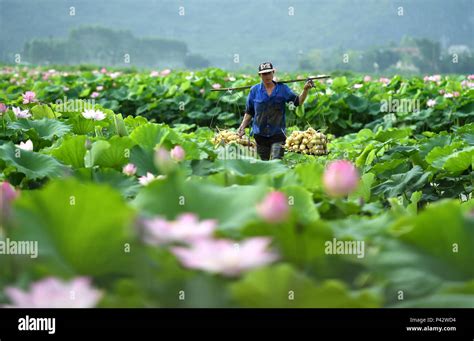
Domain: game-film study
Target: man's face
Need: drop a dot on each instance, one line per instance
(267, 77)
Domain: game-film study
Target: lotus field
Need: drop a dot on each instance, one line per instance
(117, 191)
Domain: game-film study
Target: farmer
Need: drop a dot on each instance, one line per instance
(266, 106)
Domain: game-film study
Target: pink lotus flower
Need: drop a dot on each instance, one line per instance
(448, 95)
(466, 84)
(225, 256)
(146, 179)
(103, 70)
(367, 79)
(384, 81)
(470, 77)
(95, 94)
(202, 91)
(99, 87)
(431, 103)
(165, 72)
(28, 145)
(177, 153)
(442, 92)
(7, 195)
(129, 169)
(216, 86)
(154, 74)
(163, 160)
(456, 94)
(21, 113)
(358, 86)
(3, 108)
(55, 293)
(29, 97)
(162, 155)
(114, 75)
(274, 208)
(186, 228)
(92, 114)
(340, 178)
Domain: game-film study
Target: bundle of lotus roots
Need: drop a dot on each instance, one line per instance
(307, 142)
(227, 136)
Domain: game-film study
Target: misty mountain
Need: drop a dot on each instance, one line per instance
(278, 30)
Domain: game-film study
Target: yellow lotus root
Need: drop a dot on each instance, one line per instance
(228, 136)
(309, 142)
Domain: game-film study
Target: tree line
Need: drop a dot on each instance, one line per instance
(104, 46)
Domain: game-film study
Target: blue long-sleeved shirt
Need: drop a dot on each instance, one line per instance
(268, 112)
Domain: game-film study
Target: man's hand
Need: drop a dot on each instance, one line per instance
(308, 85)
(245, 122)
(241, 131)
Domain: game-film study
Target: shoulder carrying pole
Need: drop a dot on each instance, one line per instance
(287, 81)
